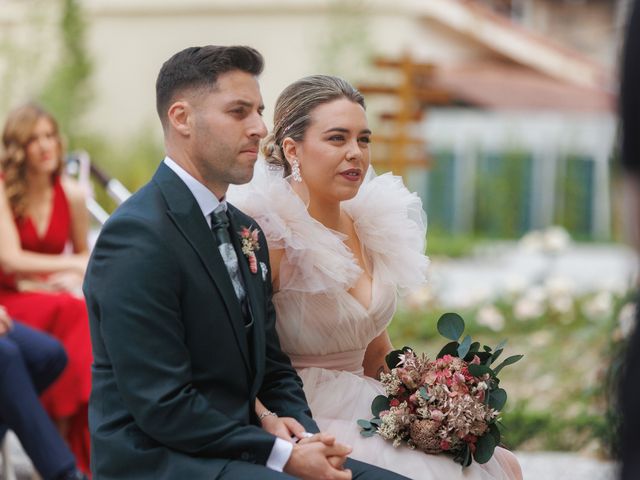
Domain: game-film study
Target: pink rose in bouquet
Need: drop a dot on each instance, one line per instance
(447, 405)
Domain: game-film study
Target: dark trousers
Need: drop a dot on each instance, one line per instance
(630, 402)
(29, 362)
(247, 471)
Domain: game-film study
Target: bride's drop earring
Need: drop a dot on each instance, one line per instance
(295, 170)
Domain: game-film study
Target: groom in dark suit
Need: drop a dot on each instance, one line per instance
(179, 297)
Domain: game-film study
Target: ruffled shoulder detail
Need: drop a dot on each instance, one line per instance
(392, 226)
(316, 258)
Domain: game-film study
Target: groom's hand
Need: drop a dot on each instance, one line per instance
(315, 460)
(329, 440)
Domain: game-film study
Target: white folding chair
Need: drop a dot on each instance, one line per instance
(8, 472)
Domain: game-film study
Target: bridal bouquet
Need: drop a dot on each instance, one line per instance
(448, 405)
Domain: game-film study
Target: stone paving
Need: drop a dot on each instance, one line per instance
(503, 267)
(535, 465)
(564, 466)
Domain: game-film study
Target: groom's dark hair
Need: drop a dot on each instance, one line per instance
(197, 68)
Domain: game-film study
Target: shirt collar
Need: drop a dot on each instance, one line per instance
(205, 198)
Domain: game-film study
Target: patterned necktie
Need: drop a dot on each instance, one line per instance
(220, 228)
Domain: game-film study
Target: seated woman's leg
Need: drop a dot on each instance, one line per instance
(64, 317)
(21, 411)
(43, 355)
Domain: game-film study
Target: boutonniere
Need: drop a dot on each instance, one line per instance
(250, 246)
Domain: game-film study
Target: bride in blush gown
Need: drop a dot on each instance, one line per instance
(343, 243)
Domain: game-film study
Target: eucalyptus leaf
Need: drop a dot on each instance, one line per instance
(393, 358)
(495, 431)
(507, 361)
(376, 421)
(464, 347)
(463, 456)
(367, 433)
(497, 398)
(479, 370)
(495, 355)
(485, 447)
(486, 348)
(468, 457)
(475, 346)
(484, 357)
(451, 326)
(379, 404)
(366, 424)
(450, 348)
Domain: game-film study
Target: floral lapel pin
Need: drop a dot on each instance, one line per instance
(250, 246)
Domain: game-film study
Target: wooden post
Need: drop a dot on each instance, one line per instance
(413, 94)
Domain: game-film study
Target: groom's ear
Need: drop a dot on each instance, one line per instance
(290, 149)
(179, 117)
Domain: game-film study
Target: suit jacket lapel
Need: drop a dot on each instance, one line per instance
(253, 289)
(187, 216)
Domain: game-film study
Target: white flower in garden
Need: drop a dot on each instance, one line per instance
(555, 239)
(559, 286)
(532, 241)
(531, 305)
(514, 285)
(540, 339)
(537, 294)
(561, 303)
(419, 299)
(560, 292)
(479, 294)
(617, 286)
(489, 316)
(599, 306)
(627, 319)
(527, 308)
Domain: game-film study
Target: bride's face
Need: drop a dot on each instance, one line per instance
(334, 153)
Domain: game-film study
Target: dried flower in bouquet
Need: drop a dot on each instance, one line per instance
(448, 405)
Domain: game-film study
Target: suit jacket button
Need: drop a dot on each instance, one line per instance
(244, 456)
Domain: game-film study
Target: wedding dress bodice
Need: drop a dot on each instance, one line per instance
(319, 322)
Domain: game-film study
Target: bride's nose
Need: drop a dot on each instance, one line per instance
(354, 152)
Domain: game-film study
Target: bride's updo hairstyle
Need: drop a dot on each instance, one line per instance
(293, 112)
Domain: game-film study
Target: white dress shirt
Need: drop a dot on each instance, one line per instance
(207, 201)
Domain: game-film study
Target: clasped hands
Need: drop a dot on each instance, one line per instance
(313, 457)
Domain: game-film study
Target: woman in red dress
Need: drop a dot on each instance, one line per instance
(42, 214)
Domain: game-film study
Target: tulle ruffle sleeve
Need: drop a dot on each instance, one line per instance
(392, 226)
(315, 258)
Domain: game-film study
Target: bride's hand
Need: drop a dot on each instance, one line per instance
(283, 427)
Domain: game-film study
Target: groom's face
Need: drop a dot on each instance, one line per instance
(227, 128)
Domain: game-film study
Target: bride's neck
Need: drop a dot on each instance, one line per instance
(326, 213)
